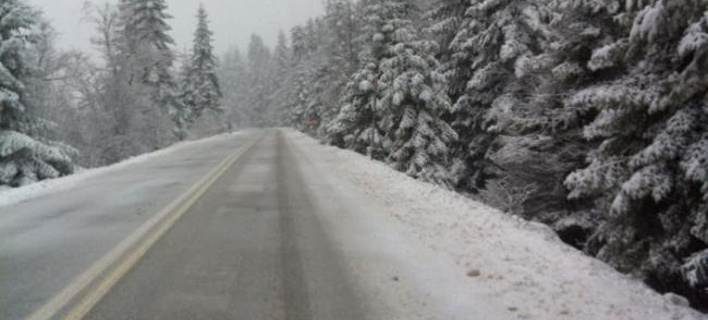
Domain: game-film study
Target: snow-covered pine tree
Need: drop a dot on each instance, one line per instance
(282, 56)
(357, 127)
(313, 30)
(445, 19)
(23, 158)
(577, 30)
(298, 43)
(312, 85)
(297, 82)
(393, 105)
(300, 89)
(200, 85)
(233, 80)
(338, 55)
(413, 100)
(305, 104)
(204, 65)
(260, 73)
(493, 36)
(541, 137)
(450, 24)
(282, 73)
(183, 111)
(298, 95)
(319, 97)
(301, 85)
(343, 27)
(447, 22)
(148, 46)
(650, 170)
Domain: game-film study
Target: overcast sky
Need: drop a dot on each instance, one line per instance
(233, 21)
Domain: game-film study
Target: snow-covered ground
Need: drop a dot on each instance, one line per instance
(492, 259)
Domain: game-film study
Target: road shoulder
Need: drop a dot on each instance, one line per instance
(497, 260)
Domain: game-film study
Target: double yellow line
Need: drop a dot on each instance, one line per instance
(77, 300)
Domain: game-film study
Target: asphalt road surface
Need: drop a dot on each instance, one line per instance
(48, 241)
(244, 226)
(251, 248)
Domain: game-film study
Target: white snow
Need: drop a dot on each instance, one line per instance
(694, 38)
(601, 57)
(647, 25)
(485, 258)
(12, 196)
(366, 85)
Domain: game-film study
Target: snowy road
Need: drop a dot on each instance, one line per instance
(50, 238)
(294, 230)
(250, 249)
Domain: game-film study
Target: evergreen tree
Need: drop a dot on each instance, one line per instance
(281, 73)
(339, 54)
(299, 43)
(541, 137)
(300, 82)
(184, 113)
(341, 44)
(493, 36)
(233, 79)
(445, 19)
(148, 46)
(200, 85)
(412, 101)
(260, 73)
(298, 97)
(324, 56)
(398, 93)
(649, 171)
(23, 157)
(282, 55)
(312, 34)
(357, 127)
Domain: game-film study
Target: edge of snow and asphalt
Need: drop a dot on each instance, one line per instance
(9, 196)
(501, 259)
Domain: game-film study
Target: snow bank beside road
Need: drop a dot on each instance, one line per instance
(520, 265)
(10, 196)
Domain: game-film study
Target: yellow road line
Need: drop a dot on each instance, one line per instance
(127, 253)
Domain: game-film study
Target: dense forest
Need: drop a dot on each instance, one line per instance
(590, 116)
